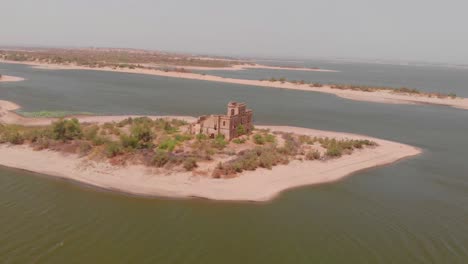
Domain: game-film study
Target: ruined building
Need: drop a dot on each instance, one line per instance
(237, 119)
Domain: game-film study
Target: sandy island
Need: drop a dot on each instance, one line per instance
(384, 96)
(258, 185)
(7, 78)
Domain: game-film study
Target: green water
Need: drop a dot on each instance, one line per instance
(414, 211)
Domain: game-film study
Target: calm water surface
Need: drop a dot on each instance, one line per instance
(414, 211)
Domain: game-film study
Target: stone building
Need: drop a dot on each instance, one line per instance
(227, 125)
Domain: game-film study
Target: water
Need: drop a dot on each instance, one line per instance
(425, 78)
(414, 211)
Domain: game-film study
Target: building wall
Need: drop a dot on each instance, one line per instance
(227, 125)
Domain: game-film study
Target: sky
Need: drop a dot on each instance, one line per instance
(402, 30)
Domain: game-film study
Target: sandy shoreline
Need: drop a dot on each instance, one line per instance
(7, 78)
(376, 97)
(259, 185)
(240, 67)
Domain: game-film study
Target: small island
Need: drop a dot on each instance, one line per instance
(220, 157)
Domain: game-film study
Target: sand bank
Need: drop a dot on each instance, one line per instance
(7, 116)
(240, 67)
(383, 96)
(7, 78)
(259, 185)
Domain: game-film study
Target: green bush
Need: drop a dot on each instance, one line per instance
(219, 142)
(190, 164)
(67, 129)
(168, 144)
(143, 133)
(239, 140)
(240, 130)
(12, 135)
(258, 139)
(113, 149)
(160, 158)
(181, 138)
(128, 142)
(270, 138)
(201, 137)
(334, 151)
(35, 134)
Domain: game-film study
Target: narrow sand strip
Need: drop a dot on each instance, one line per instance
(7, 78)
(376, 97)
(258, 185)
(239, 67)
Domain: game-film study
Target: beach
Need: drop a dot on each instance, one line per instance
(382, 96)
(259, 185)
(7, 78)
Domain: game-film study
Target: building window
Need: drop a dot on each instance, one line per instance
(224, 123)
(216, 127)
(232, 111)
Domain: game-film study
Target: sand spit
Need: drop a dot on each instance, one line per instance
(7, 116)
(240, 67)
(258, 185)
(383, 96)
(7, 78)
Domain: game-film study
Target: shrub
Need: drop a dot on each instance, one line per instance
(168, 144)
(190, 164)
(267, 159)
(270, 138)
(127, 121)
(36, 134)
(334, 151)
(239, 140)
(128, 142)
(169, 128)
(67, 129)
(219, 142)
(160, 158)
(90, 132)
(313, 155)
(142, 132)
(258, 139)
(201, 137)
(181, 138)
(240, 130)
(113, 149)
(13, 136)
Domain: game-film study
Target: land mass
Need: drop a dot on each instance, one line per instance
(179, 66)
(153, 156)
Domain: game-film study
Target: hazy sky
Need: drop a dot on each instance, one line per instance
(430, 30)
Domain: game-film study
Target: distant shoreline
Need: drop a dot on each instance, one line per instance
(259, 185)
(383, 96)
